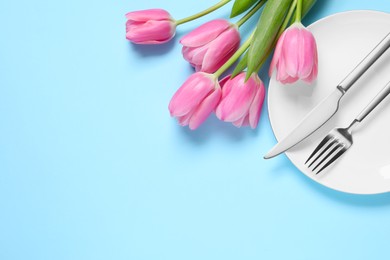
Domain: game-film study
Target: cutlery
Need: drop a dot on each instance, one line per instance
(339, 140)
(328, 106)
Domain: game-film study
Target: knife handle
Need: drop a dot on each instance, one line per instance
(376, 101)
(365, 64)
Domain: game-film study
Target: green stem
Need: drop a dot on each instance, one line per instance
(288, 18)
(235, 57)
(263, 60)
(250, 13)
(298, 16)
(203, 13)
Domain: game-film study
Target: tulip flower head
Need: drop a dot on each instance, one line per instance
(153, 26)
(209, 46)
(241, 100)
(194, 101)
(295, 55)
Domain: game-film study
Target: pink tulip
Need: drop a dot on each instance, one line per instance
(241, 101)
(209, 46)
(295, 56)
(153, 26)
(195, 99)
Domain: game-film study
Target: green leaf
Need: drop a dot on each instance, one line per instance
(241, 65)
(241, 6)
(267, 29)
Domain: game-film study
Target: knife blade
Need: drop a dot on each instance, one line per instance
(313, 121)
(328, 106)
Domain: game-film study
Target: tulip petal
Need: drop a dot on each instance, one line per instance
(197, 68)
(225, 87)
(246, 121)
(150, 32)
(199, 54)
(185, 120)
(191, 94)
(314, 72)
(255, 108)
(307, 55)
(239, 122)
(223, 81)
(132, 24)
(220, 50)
(187, 53)
(194, 55)
(281, 70)
(277, 53)
(290, 52)
(205, 33)
(235, 105)
(289, 80)
(205, 109)
(150, 14)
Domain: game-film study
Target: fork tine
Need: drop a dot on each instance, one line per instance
(329, 155)
(323, 142)
(333, 159)
(331, 143)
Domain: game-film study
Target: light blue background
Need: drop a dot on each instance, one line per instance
(93, 167)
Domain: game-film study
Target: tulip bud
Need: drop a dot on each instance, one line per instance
(295, 56)
(209, 46)
(195, 99)
(153, 26)
(241, 100)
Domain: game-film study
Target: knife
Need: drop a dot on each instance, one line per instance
(328, 106)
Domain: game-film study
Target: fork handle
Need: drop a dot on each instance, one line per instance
(365, 64)
(377, 99)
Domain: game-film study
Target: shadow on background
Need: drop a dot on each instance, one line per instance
(312, 16)
(356, 200)
(213, 126)
(376, 200)
(152, 50)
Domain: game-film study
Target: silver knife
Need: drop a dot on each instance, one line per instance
(328, 106)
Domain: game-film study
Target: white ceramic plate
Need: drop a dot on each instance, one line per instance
(343, 40)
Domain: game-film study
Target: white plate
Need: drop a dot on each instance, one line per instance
(343, 40)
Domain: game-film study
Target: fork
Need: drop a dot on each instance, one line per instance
(339, 140)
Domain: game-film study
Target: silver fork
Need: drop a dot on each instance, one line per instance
(339, 140)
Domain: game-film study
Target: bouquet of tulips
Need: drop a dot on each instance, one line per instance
(215, 46)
